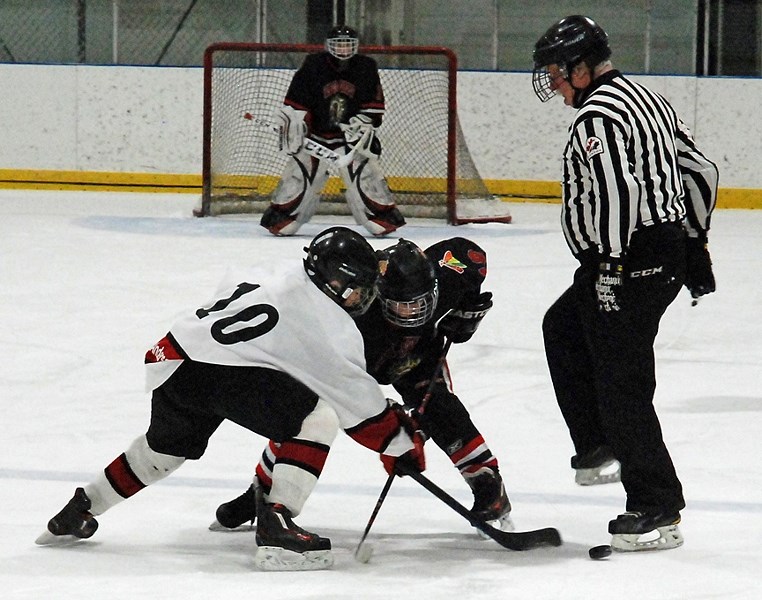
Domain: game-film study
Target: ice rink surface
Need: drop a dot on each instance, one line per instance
(90, 281)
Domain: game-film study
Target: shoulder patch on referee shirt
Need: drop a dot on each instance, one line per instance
(593, 146)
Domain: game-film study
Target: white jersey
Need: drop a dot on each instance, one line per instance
(281, 320)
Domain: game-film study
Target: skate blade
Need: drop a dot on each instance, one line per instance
(244, 527)
(273, 558)
(504, 523)
(661, 538)
(48, 539)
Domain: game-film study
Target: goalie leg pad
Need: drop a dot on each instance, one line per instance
(296, 197)
(301, 459)
(369, 197)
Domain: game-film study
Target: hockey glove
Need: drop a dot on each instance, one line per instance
(459, 324)
(608, 286)
(413, 459)
(699, 278)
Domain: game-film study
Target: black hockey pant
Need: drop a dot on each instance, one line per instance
(188, 408)
(602, 365)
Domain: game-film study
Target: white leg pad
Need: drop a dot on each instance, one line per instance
(292, 485)
(148, 465)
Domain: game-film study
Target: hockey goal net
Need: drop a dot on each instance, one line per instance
(424, 156)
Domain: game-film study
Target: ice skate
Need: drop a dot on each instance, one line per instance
(635, 531)
(73, 523)
(283, 545)
(491, 503)
(596, 468)
(238, 514)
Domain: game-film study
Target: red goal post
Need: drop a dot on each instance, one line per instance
(424, 155)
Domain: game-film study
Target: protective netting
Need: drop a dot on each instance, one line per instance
(419, 156)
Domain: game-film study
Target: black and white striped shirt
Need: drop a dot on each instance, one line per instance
(630, 162)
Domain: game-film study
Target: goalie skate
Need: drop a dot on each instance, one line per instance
(635, 531)
(596, 468)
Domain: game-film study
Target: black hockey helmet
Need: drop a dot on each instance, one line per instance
(342, 42)
(339, 262)
(407, 285)
(567, 43)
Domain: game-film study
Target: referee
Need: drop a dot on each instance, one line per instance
(637, 200)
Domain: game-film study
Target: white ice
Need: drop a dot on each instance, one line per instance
(90, 281)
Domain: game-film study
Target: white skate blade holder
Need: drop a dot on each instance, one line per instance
(661, 538)
(275, 558)
(504, 523)
(608, 472)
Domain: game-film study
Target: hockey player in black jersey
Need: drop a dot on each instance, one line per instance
(218, 363)
(637, 200)
(422, 297)
(335, 98)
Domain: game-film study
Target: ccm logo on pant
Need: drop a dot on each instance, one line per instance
(646, 272)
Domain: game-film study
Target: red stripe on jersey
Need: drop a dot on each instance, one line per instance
(309, 456)
(161, 351)
(121, 477)
(377, 432)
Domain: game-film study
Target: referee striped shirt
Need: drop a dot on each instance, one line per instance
(630, 162)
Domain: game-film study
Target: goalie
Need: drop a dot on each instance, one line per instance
(335, 99)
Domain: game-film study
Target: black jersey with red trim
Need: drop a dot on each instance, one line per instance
(333, 91)
(393, 352)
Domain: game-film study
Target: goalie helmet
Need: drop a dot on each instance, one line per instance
(407, 285)
(342, 264)
(567, 43)
(342, 42)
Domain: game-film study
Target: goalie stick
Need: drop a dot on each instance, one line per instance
(316, 149)
(364, 552)
(513, 540)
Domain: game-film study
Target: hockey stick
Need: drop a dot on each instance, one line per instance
(316, 149)
(513, 540)
(364, 552)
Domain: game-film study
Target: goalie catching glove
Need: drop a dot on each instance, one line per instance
(461, 323)
(415, 458)
(291, 129)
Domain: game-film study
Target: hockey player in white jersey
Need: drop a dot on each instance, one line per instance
(279, 354)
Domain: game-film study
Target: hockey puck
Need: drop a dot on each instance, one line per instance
(600, 552)
(363, 553)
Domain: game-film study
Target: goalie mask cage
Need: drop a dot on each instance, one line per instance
(424, 155)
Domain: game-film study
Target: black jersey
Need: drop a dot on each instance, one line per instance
(630, 163)
(332, 93)
(393, 352)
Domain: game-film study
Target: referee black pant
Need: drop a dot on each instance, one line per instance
(602, 365)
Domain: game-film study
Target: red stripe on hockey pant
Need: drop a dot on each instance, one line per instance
(309, 456)
(467, 449)
(121, 477)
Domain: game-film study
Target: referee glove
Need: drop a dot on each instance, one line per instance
(699, 278)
